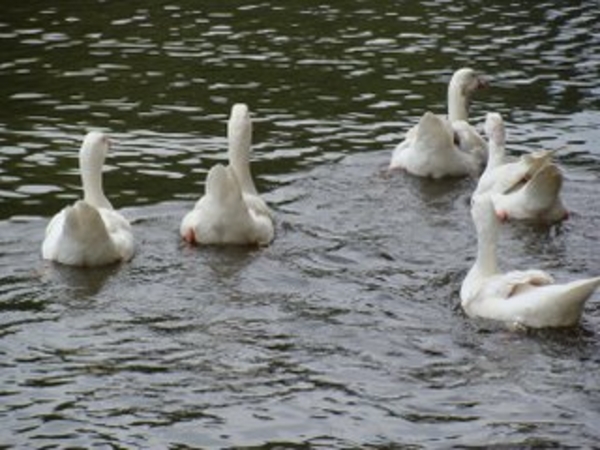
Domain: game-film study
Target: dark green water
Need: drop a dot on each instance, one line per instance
(345, 332)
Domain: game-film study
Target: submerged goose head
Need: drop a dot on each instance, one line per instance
(92, 154)
(464, 83)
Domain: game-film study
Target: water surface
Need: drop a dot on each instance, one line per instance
(344, 333)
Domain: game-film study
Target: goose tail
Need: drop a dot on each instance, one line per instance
(433, 133)
(565, 305)
(84, 223)
(545, 186)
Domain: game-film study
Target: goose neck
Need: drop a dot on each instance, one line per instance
(486, 261)
(458, 104)
(93, 193)
(239, 158)
(495, 155)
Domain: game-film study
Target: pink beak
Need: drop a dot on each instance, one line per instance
(482, 83)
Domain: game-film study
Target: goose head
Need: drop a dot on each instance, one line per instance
(464, 83)
(468, 81)
(92, 155)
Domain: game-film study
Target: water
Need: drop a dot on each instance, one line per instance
(345, 332)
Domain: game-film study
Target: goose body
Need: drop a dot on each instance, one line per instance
(530, 298)
(430, 151)
(527, 188)
(223, 217)
(500, 174)
(446, 146)
(231, 211)
(90, 232)
(538, 199)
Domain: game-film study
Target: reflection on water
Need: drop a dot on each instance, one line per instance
(82, 282)
(346, 331)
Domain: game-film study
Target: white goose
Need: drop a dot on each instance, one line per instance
(527, 188)
(529, 298)
(91, 232)
(231, 211)
(428, 151)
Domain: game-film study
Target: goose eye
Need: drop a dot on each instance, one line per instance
(456, 139)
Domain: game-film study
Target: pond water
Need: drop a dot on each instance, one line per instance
(346, 332)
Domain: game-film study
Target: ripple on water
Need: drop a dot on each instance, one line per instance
(346, 331)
